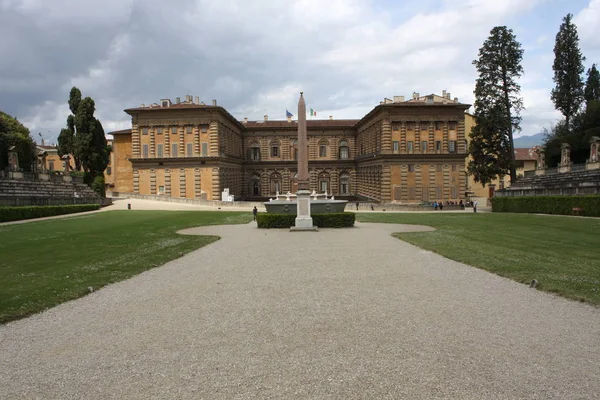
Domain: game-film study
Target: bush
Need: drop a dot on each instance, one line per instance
(559, 205)
(98, 186)
(20, 213)
(334, 220)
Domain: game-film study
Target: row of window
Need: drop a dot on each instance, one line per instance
(424, 146)
(344, 150)
(437, 125)
(175, 129)
(175, 150)
(411, 193)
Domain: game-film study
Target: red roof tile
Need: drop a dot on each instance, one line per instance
(525, 154)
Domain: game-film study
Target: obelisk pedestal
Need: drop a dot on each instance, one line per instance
(303, 221)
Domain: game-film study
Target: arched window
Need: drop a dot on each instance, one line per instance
(344, 150)
(254, 152)
(275, 149)
(275, 184)
(323, 182)
(344, 183)
(323, 145)
(255, 185)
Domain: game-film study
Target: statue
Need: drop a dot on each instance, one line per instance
(13, 159)
(594, 149)
(541, 157)
(66, 163)
(565, 158)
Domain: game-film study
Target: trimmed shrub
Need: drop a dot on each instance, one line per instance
(334, 220)
(19, 213)
(98, 186)
(560, 205)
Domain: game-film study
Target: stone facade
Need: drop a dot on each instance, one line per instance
(401, 151)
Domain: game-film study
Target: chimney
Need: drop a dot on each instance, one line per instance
(188, 98)
(448, 96)
(196, 100)
(245, 120)
(142, 105)
(330, 117)
(289, 119)
(214, 102)
(415, 95)
(398, 99)
(444, 93)
(177, 100)
(266, 117)
(456, 99)
(42, 141)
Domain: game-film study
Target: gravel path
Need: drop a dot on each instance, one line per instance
(341, 314)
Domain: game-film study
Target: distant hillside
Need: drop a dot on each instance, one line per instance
(529, 141)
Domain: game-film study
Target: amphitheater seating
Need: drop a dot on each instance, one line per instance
(15, 192)
(574, 182)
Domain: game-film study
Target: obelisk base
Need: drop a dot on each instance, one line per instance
(303, 221)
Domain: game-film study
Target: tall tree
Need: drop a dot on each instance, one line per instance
(567, 95)
(84, 136)
(497, 107)
(592, 86)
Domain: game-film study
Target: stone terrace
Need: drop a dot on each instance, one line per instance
(19, 192)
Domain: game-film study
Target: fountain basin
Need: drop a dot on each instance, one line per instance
(316, 206)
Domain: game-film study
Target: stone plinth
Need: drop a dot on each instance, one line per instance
(592, 165)
(564, 168)
(540, 172)
(303, 220)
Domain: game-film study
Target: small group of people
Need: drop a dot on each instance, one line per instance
(440, 205)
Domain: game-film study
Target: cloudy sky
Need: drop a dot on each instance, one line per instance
(254, 56)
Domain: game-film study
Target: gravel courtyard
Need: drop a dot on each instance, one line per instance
(344, 314)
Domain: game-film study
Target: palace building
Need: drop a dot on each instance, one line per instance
(402, 151)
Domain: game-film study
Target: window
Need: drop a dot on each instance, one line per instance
(322, 150)
(452, 146)
(255, 185)
(174, 147)
(411, 167)
(410, 145)
(188, 129)
(204, 149)
(173, 129)
(159, 150)
(275, 183)
(410, 126)
(395, 126)
(161, 190)
(438, 125)
(454, 190)
(51, 165)
(190, 149)
(438, 192)
(424, 146)
(438, 168)
(453, 167)
(438, 145)
(396, 145)
(412, 193)
(144, 131)
(344, 183)
(274, 149)
(159, 130)
(204, 128)
(452, 125)
(501, 184)
(344, 150)
(255, 152)
(145, 151)
(108, 170)
(323, 182)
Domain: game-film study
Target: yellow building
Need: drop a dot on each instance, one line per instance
(525, 159)
(400, 152)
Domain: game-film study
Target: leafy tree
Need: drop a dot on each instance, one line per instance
(592, 86)
(567, 95)
(84, 136)
(497, 107)
(13, 133)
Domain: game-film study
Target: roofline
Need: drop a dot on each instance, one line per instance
(136, 110)
(380, 107)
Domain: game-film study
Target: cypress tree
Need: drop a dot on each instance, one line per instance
(592, 86)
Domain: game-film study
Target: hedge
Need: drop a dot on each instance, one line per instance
(333, 220)
(561, 205)
(29, 212)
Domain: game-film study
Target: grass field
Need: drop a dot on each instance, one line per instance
(562, 253)
(46, 263)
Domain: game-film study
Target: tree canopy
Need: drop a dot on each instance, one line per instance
(497, 107)
(14, 133)
(592, 85)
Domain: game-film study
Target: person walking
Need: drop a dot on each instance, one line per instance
(475, 206)
(357, 206)
(255, 212)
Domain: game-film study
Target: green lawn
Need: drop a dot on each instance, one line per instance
(562, 253)
(46, 263)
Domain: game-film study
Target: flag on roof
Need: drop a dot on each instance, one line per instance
(313, 113)
(288, 114)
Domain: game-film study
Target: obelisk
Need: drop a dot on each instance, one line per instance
(303, 219)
